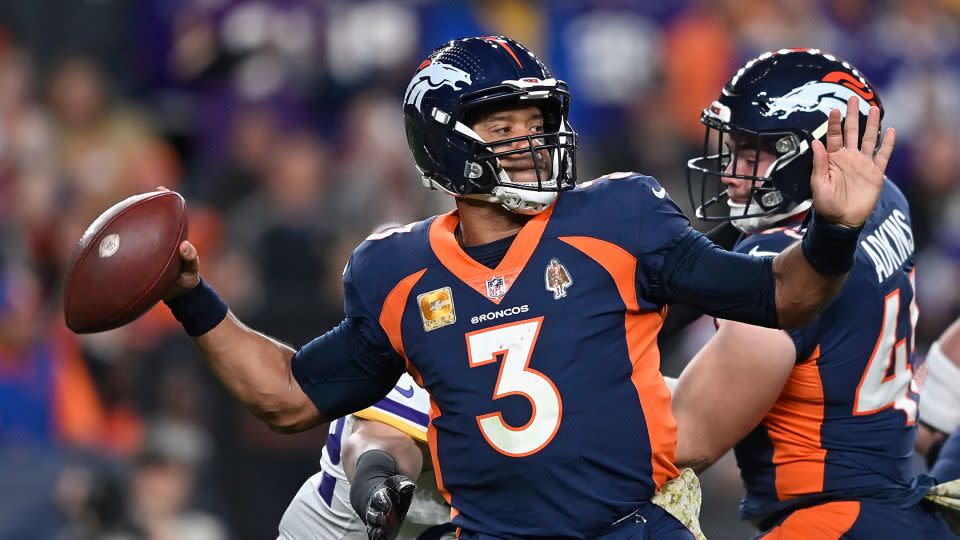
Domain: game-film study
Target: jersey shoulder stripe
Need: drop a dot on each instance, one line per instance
(406, 407)
(414, 429)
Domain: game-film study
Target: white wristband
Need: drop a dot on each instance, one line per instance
(671, 383)
(940, 397)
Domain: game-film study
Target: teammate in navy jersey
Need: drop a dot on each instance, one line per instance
(822, 417)
(530, 314)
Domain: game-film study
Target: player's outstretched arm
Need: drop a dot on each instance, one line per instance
(680, 316)
(380, 462)
(257, 371)
(846, 184)
(255, 368)
(727, 388)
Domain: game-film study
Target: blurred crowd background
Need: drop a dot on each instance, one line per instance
(280, 122)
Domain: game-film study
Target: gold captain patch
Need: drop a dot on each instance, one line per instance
(436, 309)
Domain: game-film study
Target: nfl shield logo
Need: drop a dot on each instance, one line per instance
(496, 287)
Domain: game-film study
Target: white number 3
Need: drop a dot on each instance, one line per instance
(512, 344)
(877, 390)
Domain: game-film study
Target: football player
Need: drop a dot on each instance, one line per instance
(823, 417)
(395, 428)
(548, 414)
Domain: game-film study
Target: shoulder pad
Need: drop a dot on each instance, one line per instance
(405, 242)
(385, 258)
(624, 181)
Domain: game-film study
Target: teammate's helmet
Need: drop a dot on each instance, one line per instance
(463, 75)
(778, 102)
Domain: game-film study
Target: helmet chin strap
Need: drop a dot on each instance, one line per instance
(755, 224)
(520, 201)
(524, 201)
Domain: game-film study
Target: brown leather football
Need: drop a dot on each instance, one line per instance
(125, 261)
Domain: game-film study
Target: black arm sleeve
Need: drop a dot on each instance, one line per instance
(342, 372)
(680, 316)
(735, 286)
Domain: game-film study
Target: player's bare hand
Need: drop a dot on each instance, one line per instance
(847, 180)
(189, 271)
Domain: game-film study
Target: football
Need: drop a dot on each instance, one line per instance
(124, 262)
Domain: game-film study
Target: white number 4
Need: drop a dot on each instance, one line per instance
(876, 390)
(513, 345)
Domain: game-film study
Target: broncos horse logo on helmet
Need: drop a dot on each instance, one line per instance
(812, 96)
(778, 102)
(433, 75)
(454, 81)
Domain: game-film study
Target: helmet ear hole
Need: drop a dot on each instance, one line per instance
(785, 145)
(771, 199)
(473, 170)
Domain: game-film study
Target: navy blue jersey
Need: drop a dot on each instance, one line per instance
(549, 417)
(843, 426)
(543, 372)
(947, 467)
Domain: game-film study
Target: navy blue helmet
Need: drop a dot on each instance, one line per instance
(778, 102)
(464, 75)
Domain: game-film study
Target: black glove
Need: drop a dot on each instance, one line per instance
(380, 494)
(388, 506)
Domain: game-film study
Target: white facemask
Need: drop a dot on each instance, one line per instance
(514, 199)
